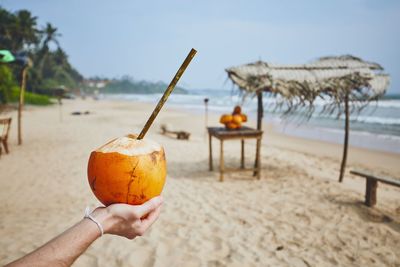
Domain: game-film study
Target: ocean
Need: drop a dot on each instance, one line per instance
(376, 127)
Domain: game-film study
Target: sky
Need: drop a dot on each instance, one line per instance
(148, 40)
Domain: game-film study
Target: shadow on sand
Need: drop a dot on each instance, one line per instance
(373, 214)
(200, 170)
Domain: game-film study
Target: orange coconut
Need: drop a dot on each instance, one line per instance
(232, 125)
(237, 119)
(225, 118)
(127, 170)
(237, 110)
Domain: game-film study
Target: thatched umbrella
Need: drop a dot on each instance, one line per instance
(346, 82)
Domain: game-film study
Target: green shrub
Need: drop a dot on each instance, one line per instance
(31, 98)
(6, 83)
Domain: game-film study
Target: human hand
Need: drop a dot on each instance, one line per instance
(128, 220)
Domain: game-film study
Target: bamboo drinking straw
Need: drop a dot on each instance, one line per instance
(167, 92)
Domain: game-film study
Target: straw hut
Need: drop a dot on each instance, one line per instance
(346, 83)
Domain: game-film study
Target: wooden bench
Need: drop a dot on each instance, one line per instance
(182, 135)
(6, 124)
(372, 184)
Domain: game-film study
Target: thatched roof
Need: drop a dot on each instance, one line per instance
(331, 77)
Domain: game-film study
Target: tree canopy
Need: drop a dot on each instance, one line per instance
(127, 85)
(19, 32)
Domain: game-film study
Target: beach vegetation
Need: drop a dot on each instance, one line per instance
(21, 34)
(7, 82)
(30, 98)
(128, 85)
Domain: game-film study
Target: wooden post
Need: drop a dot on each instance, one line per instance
(206, 116)
(210, 151)
(59, 99)
(259, 160)
(260, 115)
(221, 162)
(260, 110)
(370, 192)
(21, 103)
(242, 156)
(346, 137)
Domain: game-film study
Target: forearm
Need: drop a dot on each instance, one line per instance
(65, 248)
(118, 219)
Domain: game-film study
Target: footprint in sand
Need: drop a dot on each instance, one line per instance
(142, 256)
(212, 247)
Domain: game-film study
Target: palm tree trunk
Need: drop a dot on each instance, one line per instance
(346, 138)
(21, 103)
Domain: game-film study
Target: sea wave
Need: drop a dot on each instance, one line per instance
(385, 112)
(363, 133)
(229, 99)
(385, 103)
(363, 119)
(379, 120)
(389, 104)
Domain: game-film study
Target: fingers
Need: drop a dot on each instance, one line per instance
(149, 206)
(151, 218)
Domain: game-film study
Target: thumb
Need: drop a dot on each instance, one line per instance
(149, 206)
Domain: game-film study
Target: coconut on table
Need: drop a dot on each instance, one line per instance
(131, 169)
(234, 120)
(234, 130)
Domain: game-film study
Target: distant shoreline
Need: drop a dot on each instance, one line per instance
(391, 96)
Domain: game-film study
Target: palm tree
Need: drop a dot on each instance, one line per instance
(61, 58)
(17, 30)
(6, 20)
(50, 35)
(26, 32)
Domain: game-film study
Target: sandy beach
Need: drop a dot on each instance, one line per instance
(297, 214)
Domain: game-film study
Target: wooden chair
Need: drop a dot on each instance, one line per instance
(6, 123)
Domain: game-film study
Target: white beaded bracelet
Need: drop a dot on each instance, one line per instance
(89, 216)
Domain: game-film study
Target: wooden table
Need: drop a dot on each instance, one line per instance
(243, 133)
